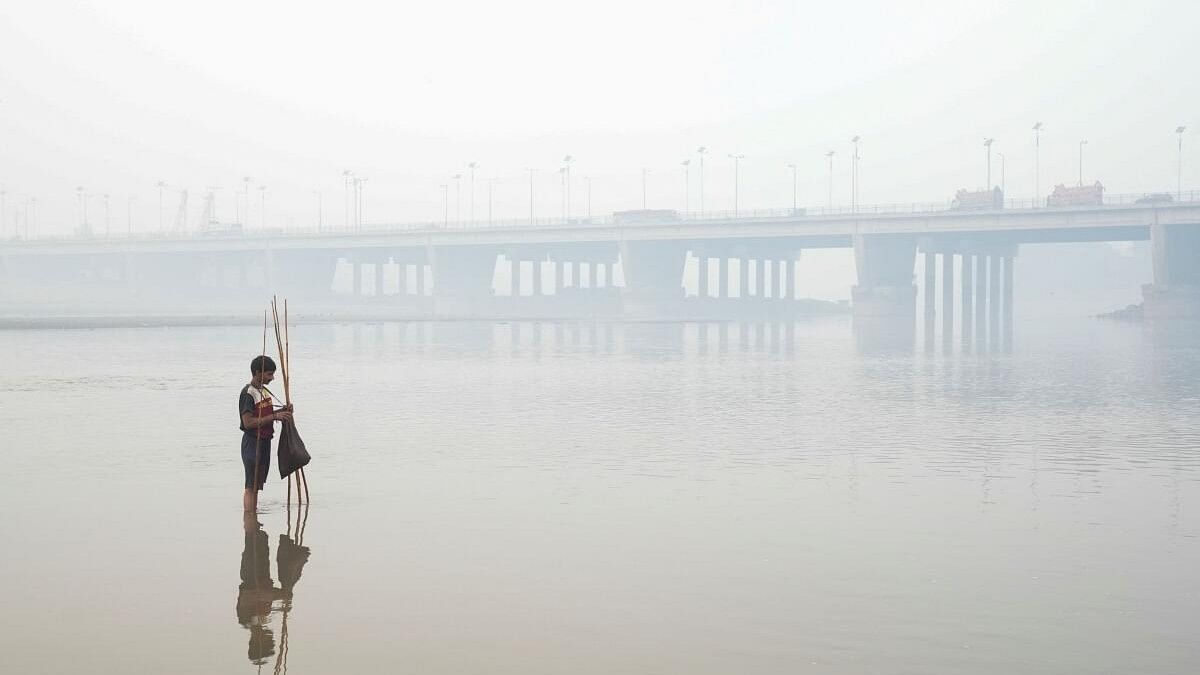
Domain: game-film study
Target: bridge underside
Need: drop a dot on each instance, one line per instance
(714, 277)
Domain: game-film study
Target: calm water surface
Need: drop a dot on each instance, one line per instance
(606, 498)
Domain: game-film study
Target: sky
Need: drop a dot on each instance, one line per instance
(114, 97)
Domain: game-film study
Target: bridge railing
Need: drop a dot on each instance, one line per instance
(1137, 199)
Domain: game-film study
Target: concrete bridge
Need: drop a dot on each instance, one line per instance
(631, 265)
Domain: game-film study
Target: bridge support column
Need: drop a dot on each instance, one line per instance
(419, 273)
(401, 278)
(968, 298)
(702, 277)
(994, 300)
(1008, 300)
(947, 298)
(760, 278)
(981, 287)
(537, 277)
(515, 277)
(743, 278)
(1175, 293)
(653, 277)
(723, 277)
(778, 272)
(462, 279)
(356, 268)
(885, 286)
(560, 276)
(380, 265)
(930, 293)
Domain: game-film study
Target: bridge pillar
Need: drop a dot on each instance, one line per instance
(462, 279)
(515, 277)
(981, 288)
(723, 277)
(885, 276)
(930, 295)
(760, 278)
(994, 299)
(778, 272)
(653, 277)
(356, 268)
(968, 299)
(537, 277)
(379, 266)
(560, 277)
(1175, 292)
(1008, 300)
(702, 277)
(743, 277)
(947, 298)
(401, 278)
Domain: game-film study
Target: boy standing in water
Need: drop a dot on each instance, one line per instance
(258, 417)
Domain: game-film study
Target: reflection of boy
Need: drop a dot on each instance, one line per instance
(258, 417)
(256, 593)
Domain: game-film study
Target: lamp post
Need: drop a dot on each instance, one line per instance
(347, 179)
(987, 143)
(320, 211)
(1082, 143)
(82, 209)
(589, 196)
(701, 151)
(829, 156)
(1037, 163)
(262, 198)
(471, 166)
(3, 203)
(491, 191)
(686, 164)
(644, 172)
(161, 185)
(562, 192)
(854, 175)
(107, 212)
(445, 205)
(246, 196)
(129, 215)
(736, 161)
(457, 199)
(530, 195)
(793, 168)
(1179, 167)
(1002, 171)
(567, 165)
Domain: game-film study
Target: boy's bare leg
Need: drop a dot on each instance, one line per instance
(250, 501)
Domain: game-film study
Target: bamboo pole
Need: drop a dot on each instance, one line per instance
(257, 435)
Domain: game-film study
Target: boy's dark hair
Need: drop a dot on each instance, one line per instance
(260, 364)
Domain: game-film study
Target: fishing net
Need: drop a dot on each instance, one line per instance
(292, 454)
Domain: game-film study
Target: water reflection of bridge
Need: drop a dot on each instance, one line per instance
(743, 267)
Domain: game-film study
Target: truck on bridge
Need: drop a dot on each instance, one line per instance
(1083, 195)
(978, 200)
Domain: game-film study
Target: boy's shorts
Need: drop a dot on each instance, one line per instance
(250, 443)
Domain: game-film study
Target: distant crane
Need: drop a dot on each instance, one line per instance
(208, 216)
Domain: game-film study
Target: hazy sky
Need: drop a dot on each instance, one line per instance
(115, 96)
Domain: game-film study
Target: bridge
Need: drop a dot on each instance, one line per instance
(629, 265)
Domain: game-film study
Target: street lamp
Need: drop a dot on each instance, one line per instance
(1179, 169)
(736, 161)
(445, 205)
(644, 172)
(829, 156)
(262, 197)
(793, 168)
(82, 208)
(588, 179)
(686, 164)
(472, 166)
(106, 216)
(567, 165)
(491, 191)
(129, 215)
(1037, 163)
(246, 196)
(854, 175)
(562, 192)
(161, 185)
(530, 195)
(457, 199)
(987, 143)
(347, 180)
(701, 151)
(1002, 171)
(1082, 143)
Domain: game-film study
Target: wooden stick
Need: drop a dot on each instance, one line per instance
(257, 436)
(307, 497)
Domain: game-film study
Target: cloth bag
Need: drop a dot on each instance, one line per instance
(291, 452)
